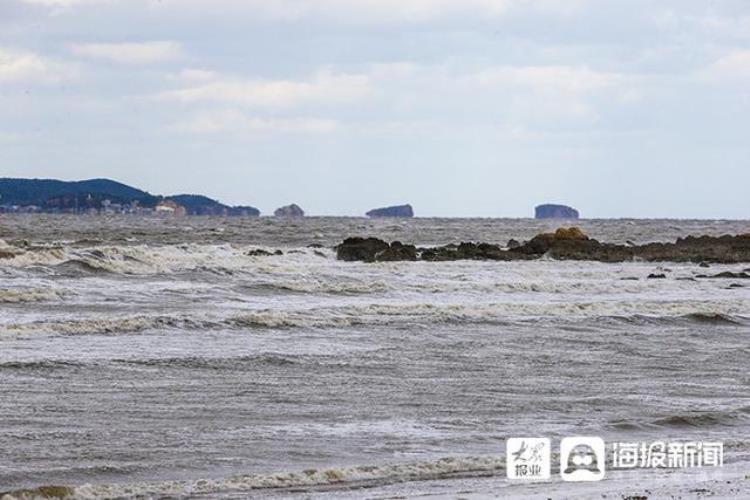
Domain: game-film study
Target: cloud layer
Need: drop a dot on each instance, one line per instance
(130, 52)
(474, 107)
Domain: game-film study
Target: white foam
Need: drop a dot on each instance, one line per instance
(344, 476)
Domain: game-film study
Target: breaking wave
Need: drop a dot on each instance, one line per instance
(12, 296)
(131, 324)
(705, 419)
(206, 363)
(395, 315)
(345, 477)
(147, 259)
(714, 318)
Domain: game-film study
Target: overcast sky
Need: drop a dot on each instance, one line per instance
(461, 107)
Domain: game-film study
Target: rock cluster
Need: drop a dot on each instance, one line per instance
(563, 244)
(373, 249)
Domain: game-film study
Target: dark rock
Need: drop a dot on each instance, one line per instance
(6, 253)
(466, 251)
(735, 285)
(395, 211)
(551, 211)
(704, 264)
(569, 244)
(292, 210)
(315, 245)
(630, 278)
(319, 254)
(727, 275)
(397, 251)
(512, 243)
(360, 249)
(657, 276)
(259, 252)
(566, 240)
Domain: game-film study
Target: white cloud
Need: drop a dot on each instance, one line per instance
(27, 67)
(130, 53)
(571, 79)
(9, 138)
(192, 74)
(324, 87)
(368, 12)
(62, 3)
(733, 67)
(234, 122)
(734, 27)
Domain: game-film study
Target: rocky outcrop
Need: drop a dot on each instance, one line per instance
(374, 250)
(360, 249)
(396, 211)
(292, 210)
(551, 211)
(397, 251)
(563, 244)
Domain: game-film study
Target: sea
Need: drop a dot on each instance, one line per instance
(147, 357)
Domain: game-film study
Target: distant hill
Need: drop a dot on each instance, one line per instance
(197, 204)
(62, 196)
(54, 194)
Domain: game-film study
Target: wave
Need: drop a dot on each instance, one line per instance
(47, 364)
(310, 285)
(704, 419)
(13, 296)
(416, 315)
(344, 477)
(714, 318)
(148, 259)
(128, 324)
(200, 362)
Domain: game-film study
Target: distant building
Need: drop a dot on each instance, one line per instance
(169, 207)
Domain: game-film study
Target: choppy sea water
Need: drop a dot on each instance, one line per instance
(155, 357)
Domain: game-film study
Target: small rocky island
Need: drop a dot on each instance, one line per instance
(395, 211)
(551, 211)
(563, 244)
(292, 210)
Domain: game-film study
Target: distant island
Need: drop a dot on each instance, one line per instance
(552, 211)
(395, 211)
(292, 210)
(104, 196)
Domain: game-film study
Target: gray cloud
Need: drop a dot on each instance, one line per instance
(478, 107)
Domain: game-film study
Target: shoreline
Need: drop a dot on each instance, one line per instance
(445, 478)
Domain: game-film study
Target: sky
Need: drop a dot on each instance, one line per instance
(486, 108)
